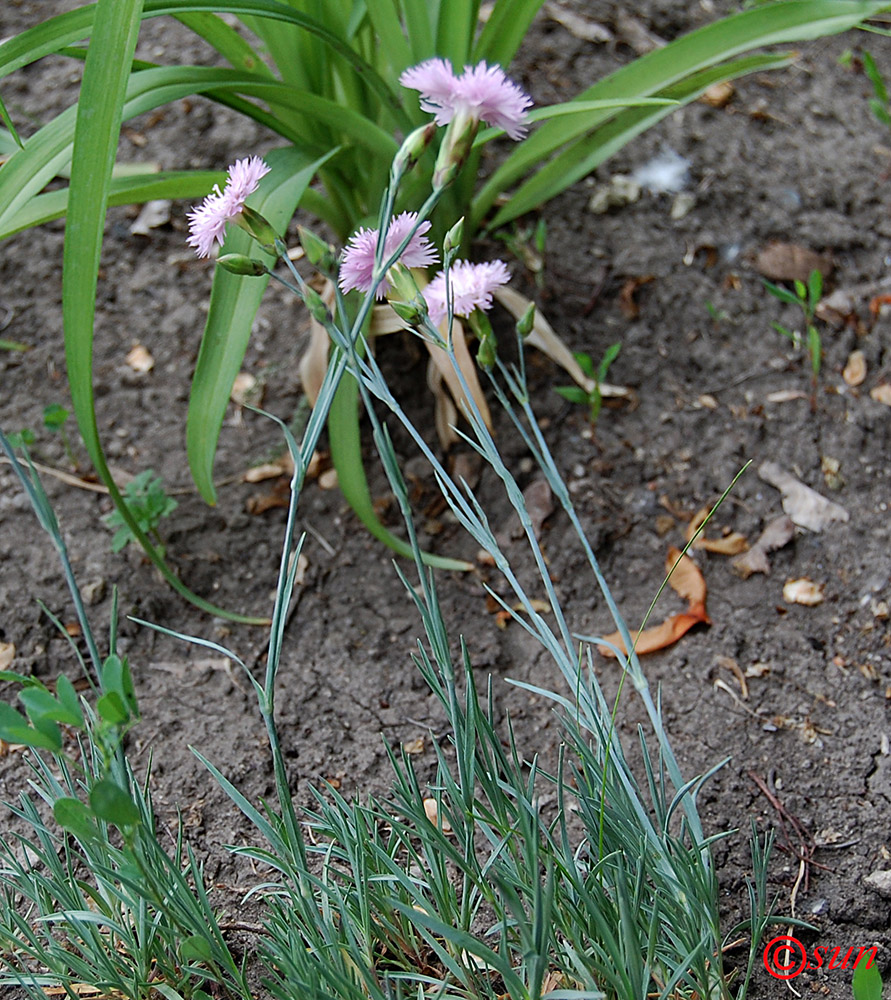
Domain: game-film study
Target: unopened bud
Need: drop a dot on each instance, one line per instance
(455, 149)
(403, 286)
(316, 306)
(256, 226)
(478, 321)
(412, 149)
(526, 321)
(319, 253)
(238, 263)
(413, 313)
(453, 237)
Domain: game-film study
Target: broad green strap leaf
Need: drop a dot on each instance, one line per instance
(226, 41)
(420, 16)
(75, 25)
(388, 28)
(47, 152)
(99, 114)
(775, 23)
(346, 455)
(505, 30)
(234, 301)
(588, 153)
(456, 29)
(129, 190)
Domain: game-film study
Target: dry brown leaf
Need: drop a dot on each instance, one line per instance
(246, 390)
(432, 810)
(537, 604)
(729, 545)
(539, 504)
(697, 521)
(581, 27)
(415, 747)
(791, 262)
(778, 533)
(154, 213)
(270, 470)
(807, 508)
(7, 654)
(803, 591)
(855, 370)
(660, 636)
(686, 581)
(139, 359)
(881, 393)
(785, 396)
(718, 94)
(630, 309)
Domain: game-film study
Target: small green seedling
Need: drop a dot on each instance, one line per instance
(24, 439)
(718, 316)
(54, 417)
(527, 243)
(148, 503)
(867, 984)
(592, 398)
(806, 297)
(879, 103)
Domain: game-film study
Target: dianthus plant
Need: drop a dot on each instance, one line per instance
(332, 82)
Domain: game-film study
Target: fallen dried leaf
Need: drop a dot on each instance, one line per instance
(7, 654)
(328, 479)
(630, 309)
(718, 94)
(855, 370)
(807, 508)
(537, 604)
(246, 390)
(414, 747)
(659, 637)
(539, 504)
(803, 591)
(791, 262)
(729, 545)
(785, 396)
(838, 309)
(635, 33)
(269, 470)
(777, 534)
(881, 393)
(686, 579)
(139, 359)
(153, 214)
(432, 810)
(580, 27)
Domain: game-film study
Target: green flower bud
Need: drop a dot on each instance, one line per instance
(316, 305)
(411, 150)
(412, 312)
(526, 321)
(319, 253)
(454, 237)
(237, 263)
(455, 148)
(256, 226)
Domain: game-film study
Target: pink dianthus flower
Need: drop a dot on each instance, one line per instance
(357, 265)
(483, 91)
(207, 222)
(471, 286)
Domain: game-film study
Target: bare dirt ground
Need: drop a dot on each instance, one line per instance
(796, 697)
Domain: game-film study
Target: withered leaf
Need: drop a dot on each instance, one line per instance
(630, 308)
(539, 503)
(7, 654)
(729, 545)
(803, 591)
(807, 508)
(855, 370)
(881, 393)
(791, 262)
(660, 636)
(139, 359)
(687, 580)
(777, 534)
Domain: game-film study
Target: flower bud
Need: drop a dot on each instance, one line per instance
(256, 226)
(455, 149)
(412, 149)
(238, 263)
(316, 305)
(412, 313)
(453, 238)
(482, 328)
(319, 253)
(526, 321)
